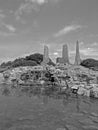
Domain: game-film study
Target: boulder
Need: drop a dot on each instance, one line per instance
(81, 91)
(88, 87)
(94, 92)
(87, 93)
(84, 92)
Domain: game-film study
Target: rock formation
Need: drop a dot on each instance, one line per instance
(46, 55)
(64, 59)
(77, 57)
(65, 54)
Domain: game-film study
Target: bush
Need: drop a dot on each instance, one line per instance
(32, 60)
(90, 63)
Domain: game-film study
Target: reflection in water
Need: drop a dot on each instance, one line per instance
(78, 102)
(22, 113)
(65, 100)
(45, 99)
(45, 95)
(6, 92)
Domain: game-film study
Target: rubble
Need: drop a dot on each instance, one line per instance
(77, 78)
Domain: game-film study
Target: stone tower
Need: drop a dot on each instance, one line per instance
(65, 57)
(46, 55)
(77, 57)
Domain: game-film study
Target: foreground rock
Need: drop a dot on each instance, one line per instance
(70, 77)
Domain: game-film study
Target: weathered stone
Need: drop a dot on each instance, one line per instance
(75, 87)
(87, 93)
(65, 54)
(77, 57)
(88, 87)
(84, 92)
(81, 91)
(46, 55)
(94, 92)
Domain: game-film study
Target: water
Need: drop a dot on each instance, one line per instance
(22, 110)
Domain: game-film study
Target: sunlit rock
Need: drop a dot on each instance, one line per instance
(94, 92)
(81, 91)
(88, 87)
(87, 93)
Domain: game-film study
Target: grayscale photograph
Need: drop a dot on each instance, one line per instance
(48, 64)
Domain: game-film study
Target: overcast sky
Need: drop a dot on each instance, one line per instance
(26, 25)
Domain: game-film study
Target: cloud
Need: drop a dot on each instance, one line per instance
(32, 5)
(55, 53)
(40, 2)
(93, 35)
(67, 30)
(10, 30)
(2, 16)
(6, 34)
(86, 52)
(5, 29)
(9, 27)
(95, 44)
(26, 7)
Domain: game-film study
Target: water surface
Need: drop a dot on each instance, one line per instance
(21, 110)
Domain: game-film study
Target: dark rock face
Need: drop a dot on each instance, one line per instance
(38, 58)
(90, 63)
(31, 60)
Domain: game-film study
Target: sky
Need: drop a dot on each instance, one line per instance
(27, 25)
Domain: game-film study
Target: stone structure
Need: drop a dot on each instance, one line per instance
(46, 55)
(65, 54)
(59, 60)
(77, 57)
(64, 59)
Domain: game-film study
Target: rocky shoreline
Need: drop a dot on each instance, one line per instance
(63, 79)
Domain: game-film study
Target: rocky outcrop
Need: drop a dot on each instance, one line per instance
(90, 63)
(81, 84)
(89, 91)
(31, 60)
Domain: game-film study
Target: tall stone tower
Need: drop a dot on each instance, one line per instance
(77, 57)
(46, 55)
(65, 57)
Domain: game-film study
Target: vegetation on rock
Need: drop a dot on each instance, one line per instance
(31, 60)
(90, 63)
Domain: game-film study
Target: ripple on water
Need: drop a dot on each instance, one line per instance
(56, 114)
(61, 129)
(71, 127)
(23, 128)
(90, 127)
(94, 114)
(94, 119)
(86, 122)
